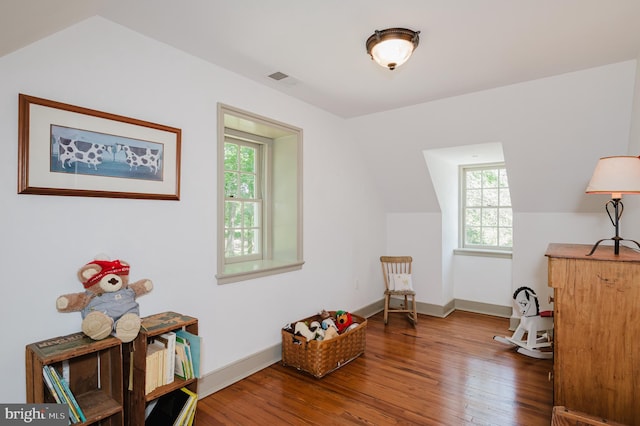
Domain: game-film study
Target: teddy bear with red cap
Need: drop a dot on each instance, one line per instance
(108, 304)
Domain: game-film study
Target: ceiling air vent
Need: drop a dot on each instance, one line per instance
(278, 75)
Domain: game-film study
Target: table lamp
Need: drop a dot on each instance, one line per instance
(616, 176)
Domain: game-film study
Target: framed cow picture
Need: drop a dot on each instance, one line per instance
(69, 150)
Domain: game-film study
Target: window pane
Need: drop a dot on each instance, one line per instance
(473, 217)
(506, 217)
(251, 215)
(232, 214)
(489, 236)
(247, 186)
(233, 243)
(230, 156)
(490, 197)
(504, 183)
(505, 197)
(506, 237)
(247, 159)
(489, 217)
(251, 243)
(474, 179)
(490, 178)
(472, 235)
(474, 197)
(230, 184)
(229, 213)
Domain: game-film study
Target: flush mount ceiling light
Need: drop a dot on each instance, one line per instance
(392, 47)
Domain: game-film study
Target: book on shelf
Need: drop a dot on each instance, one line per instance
(58, 388)
(189, 360)
(185, 418)
(192, 414)
(179, 368)
(154, 372)
(72, 398)
(46, 374)
(162, 362)
(169, 341)
(76, 414)
(55, 392)
(167, 408)
(183, 352)
(194, 342)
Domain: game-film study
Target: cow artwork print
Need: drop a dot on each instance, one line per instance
(105, 155)
(71, 151)
(139, 156)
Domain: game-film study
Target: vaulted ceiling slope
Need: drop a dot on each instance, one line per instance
(465, 45)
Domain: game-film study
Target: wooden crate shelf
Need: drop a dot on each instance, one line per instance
(134, 356)
(94, 370)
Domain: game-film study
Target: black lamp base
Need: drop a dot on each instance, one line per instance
(616, 244)
(614, 216)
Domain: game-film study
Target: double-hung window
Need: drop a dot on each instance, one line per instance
(243, 200)
(259, 196)
(486, 214)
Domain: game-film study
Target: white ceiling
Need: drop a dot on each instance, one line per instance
(465, 45)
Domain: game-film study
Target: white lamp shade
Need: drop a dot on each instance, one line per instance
(616, 175)
(393, 51)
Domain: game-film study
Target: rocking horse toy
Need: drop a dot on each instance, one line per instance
(538, 326)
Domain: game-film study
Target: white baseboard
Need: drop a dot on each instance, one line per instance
(483, 308)
(236, 371)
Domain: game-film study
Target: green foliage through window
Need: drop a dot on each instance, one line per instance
(242, 206)
(487, 216)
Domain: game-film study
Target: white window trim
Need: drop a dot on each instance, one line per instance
(504, 254)
(278, 260)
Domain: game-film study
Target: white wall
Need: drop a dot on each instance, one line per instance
(482, 279)
(416, 235)
(537, 230)
(44, 240)
(634, 138)
(552, 130)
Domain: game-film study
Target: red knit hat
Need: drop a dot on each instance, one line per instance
(108, 267)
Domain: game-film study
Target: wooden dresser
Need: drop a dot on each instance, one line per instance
(596, 366)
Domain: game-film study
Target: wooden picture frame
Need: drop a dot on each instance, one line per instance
(69, 150)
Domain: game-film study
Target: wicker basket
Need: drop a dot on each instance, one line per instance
(321, 357)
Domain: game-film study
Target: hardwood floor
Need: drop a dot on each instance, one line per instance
(447, 371)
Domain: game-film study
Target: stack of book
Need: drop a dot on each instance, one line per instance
(172, 354)
(61, 392)
(173, 409)
(187, 361)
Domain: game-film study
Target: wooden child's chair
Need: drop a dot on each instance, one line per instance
(396, 271)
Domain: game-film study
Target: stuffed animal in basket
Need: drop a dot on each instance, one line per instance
(108, 304)
(343, 321)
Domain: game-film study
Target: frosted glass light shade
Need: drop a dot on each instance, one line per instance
(616, 175)
(392, 47)
(395, 52)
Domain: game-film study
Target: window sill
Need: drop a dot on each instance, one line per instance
(260, 268)
(483, 253)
